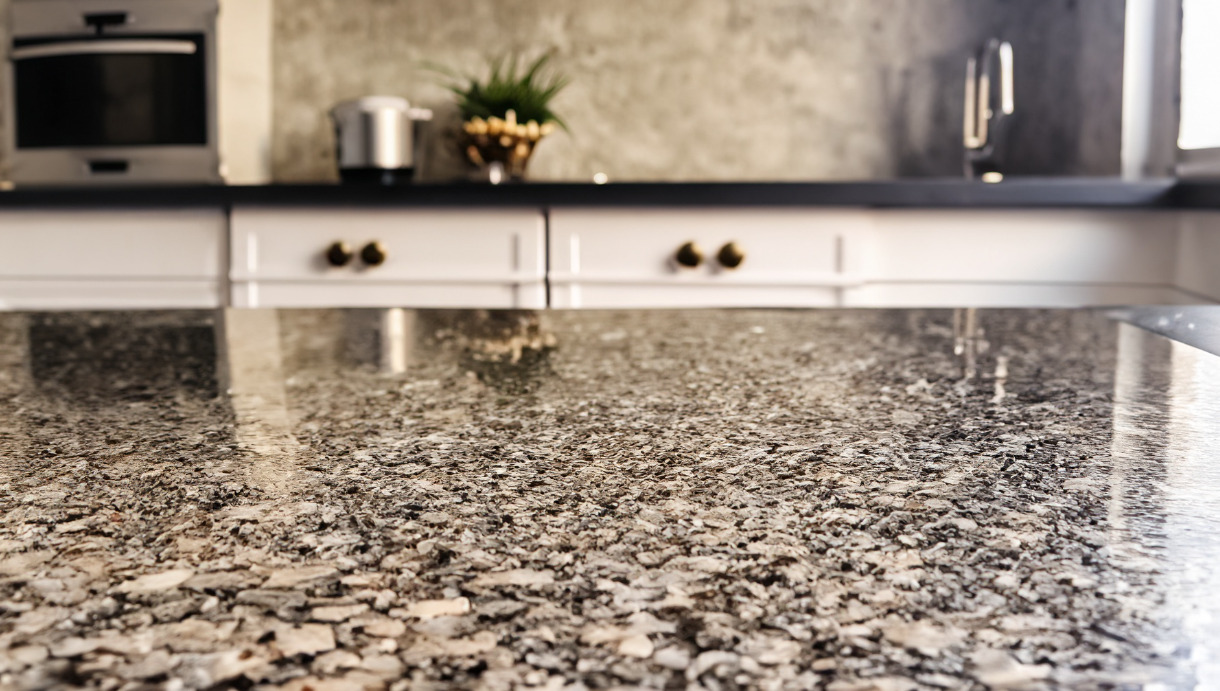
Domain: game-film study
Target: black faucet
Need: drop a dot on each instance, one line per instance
(987, 110)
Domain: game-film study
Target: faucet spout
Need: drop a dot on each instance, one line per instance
(987, 109)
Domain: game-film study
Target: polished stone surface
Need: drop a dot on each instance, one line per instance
(696, 499)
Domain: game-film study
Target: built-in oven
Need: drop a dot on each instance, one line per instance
(112, 91)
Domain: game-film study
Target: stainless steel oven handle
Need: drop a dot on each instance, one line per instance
(51, 50)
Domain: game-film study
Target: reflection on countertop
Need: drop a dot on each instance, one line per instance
(763, 499)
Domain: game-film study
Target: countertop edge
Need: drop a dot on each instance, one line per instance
(915, 194)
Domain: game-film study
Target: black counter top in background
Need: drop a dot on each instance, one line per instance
(931, 193)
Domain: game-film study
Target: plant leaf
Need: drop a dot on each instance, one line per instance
(529, 94)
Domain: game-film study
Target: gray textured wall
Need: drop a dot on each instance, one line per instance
(723, 89)
(719, 89)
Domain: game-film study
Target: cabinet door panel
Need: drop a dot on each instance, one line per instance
(491, 258)
(291, 244)
(634, 257)
(1067, 246)
(160, 244)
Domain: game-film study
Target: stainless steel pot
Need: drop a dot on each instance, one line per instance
(375, 139)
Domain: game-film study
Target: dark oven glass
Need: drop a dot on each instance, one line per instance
(88, 99)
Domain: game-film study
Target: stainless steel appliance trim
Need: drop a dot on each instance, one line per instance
(48, 50)
(146, 165)
(151, 165)
(66, 18)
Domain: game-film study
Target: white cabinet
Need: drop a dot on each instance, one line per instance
(1014, 258)
(642, 257)
(490, 258)
(1198, 262)
(106, 259)
(880, 258)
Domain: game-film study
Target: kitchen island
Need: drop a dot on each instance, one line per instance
(885, 499)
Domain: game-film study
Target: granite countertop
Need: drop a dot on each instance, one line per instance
(913, 193)
(888, 499)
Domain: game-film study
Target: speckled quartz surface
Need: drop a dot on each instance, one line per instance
(721, 500)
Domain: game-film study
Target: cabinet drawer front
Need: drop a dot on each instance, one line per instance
(780, 246)
(161, 244)
(1040, 246)
(435, 246)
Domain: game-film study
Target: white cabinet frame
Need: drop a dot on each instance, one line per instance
(1152, 94)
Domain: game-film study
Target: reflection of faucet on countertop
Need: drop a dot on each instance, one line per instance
(986, 119)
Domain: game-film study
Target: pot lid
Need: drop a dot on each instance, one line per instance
(368, 104)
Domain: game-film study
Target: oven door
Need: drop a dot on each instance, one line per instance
(110, 92)
(114, 104)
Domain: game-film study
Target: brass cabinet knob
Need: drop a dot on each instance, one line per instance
(338, 254)
(689, 255)
(731, 255)
(373, 254)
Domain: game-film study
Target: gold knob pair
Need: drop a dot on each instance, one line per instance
(372, 254)
(730, 256)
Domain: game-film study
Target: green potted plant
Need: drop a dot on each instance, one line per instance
(506, 115)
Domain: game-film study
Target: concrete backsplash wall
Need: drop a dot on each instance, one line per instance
(718, 89)
(721, 89)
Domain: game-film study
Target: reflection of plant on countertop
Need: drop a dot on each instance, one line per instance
(507, 114)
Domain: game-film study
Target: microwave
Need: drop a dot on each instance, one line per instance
(106, 91)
